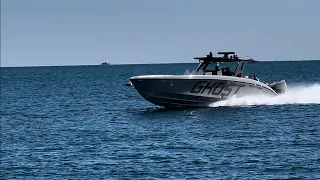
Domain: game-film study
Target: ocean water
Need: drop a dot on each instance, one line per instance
(82, 122)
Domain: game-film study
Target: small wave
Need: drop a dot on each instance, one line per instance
(309, 94)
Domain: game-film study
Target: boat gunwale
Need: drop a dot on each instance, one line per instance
(205, 77)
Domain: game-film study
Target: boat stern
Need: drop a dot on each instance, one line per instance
(279, 87)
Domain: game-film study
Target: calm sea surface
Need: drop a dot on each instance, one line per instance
(82, 122)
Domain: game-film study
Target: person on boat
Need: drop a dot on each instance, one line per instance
(255, 77)
(223, 71)
(228, 72)
(216, 69)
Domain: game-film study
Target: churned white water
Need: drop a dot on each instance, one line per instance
(308, 94)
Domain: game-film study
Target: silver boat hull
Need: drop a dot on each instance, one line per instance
(196, 90)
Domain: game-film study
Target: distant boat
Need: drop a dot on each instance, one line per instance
(105, 63)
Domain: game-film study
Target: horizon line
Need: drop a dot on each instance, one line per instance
(144, 63)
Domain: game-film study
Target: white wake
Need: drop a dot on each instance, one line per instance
(308, 94)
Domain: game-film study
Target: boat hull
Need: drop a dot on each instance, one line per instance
(196, 90)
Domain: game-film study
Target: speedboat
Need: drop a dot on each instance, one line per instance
(204, 86)
(105, 63)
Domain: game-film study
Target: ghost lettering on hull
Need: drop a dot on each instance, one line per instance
(216, 88)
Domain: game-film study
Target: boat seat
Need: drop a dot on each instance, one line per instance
(187, 72)
(193, 72)
(200, 72)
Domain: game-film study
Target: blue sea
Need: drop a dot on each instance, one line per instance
(82, 122)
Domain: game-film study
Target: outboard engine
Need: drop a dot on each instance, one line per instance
(279, 87)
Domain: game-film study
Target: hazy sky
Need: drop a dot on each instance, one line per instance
(75, 32)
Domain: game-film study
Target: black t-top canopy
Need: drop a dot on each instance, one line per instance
(225, 58)
(226, 54)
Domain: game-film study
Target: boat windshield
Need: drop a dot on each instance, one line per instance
(225, 68)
